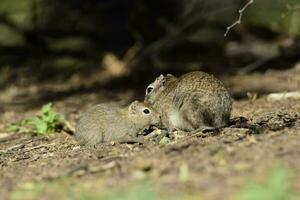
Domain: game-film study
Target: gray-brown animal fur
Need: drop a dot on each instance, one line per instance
(110, 122)
(193, 101)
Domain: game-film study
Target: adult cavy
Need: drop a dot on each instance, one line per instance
(195, 100)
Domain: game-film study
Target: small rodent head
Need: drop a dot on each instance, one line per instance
(143, 113)
(159, 81)
(156, 87)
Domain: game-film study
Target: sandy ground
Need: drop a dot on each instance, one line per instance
(211, 166)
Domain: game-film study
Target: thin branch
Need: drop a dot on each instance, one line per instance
(241, 12)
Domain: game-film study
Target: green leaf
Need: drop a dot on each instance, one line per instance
(41, 127)
(49, 117)
(46, 108)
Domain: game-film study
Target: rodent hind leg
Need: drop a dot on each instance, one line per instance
(189, 120)
(196, 122)
(221, 121)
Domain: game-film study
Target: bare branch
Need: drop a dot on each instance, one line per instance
(241, 12)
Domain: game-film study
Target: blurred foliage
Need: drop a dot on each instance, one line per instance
(166, 34)
(277, 187)
(68, 188)
(282, 16)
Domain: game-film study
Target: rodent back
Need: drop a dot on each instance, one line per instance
(94, 124)
(87, 128)
(202, 82)
(205, 94)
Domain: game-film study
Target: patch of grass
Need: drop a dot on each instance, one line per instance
(69, 188)
(277, 187)
(144, 191)
(43, 124)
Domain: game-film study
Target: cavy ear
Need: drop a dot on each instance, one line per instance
(169, 77)
(133, 107)
(161, 77)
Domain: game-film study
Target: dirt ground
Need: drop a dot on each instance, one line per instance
(212, 166)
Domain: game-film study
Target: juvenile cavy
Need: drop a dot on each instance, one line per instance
(110, 122)
(193, 101)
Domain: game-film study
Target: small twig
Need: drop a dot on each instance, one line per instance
(18, 146)
(241, 12)
(38, 147)
(15, 147)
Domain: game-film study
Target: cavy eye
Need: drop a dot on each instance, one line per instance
(149, 89)
(146, 111)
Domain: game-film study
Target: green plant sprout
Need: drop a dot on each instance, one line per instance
(45, 123)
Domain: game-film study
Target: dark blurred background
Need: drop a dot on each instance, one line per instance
(54, 39)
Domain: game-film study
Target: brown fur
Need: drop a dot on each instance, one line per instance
(192, 101)
(110, 122)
